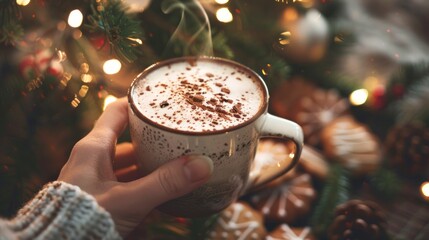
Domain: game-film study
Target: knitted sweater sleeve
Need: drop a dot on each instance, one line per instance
(60, 211)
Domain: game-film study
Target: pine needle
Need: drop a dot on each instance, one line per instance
(335, 192)
(122, 30)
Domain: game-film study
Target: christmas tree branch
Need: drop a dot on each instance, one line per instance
(122, 30)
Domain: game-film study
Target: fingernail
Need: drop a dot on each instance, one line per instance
(198, 168)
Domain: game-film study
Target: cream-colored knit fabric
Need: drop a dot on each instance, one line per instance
(60, 211)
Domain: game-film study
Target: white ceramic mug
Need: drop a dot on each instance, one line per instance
(232, 150)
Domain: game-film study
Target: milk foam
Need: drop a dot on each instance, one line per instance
(198, 96)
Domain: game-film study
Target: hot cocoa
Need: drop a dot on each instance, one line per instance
(199, 95)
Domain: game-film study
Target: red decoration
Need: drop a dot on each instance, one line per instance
(379, 97)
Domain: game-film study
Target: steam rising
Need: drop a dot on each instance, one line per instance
(193, 34)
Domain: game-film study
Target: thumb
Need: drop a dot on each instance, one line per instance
(173, 179)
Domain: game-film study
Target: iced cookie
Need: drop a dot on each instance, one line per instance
(285, 232)
(286, 202)
(308, 105)
(238, 222)
(352, 145)
(269, 155)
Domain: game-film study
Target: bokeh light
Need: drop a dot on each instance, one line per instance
(224, 15)
(75, 102)
(83, 90)
(75, 18)
(284, 38)
(424, 190)
(221, 1)
(266, 70)
(112, 66)
(61, 55)
(358, 97)
(22, 2)
(136, 40)
(86, 78)
(108, 100)
(289, 15)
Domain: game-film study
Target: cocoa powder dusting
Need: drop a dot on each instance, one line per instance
(225, 90)
(198, 98)
(164, 104)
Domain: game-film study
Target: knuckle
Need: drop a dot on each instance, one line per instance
(168, 182)
(89, 147)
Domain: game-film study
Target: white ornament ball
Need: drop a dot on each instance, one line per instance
(304, 39)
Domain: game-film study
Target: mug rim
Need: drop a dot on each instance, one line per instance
(162, 63)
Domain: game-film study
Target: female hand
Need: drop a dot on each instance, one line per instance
(91, 167)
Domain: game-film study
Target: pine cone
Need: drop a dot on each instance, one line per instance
(357, 220)
(408, 149)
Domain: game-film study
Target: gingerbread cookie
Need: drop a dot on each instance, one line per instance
(285, 232)
(239, 221)
(318, 109)
(286, 202)
(352, 145)
(271, 154)
(309, 106)
(313, 162)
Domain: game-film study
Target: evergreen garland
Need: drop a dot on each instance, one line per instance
(335, 191)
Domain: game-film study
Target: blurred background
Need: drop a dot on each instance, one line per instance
(354, 74)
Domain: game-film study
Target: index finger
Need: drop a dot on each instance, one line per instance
(114, 118)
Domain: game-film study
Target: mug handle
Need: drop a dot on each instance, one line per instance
(280, 128)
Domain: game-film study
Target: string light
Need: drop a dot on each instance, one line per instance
(424, 190)
(86, 78)
(83, 90)
(358, 97)
(108, 100)
(112, 66)
(65, 79)
(224, 15)
(22, 2)
(75, 102)
(84, 68)
(75, 18)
